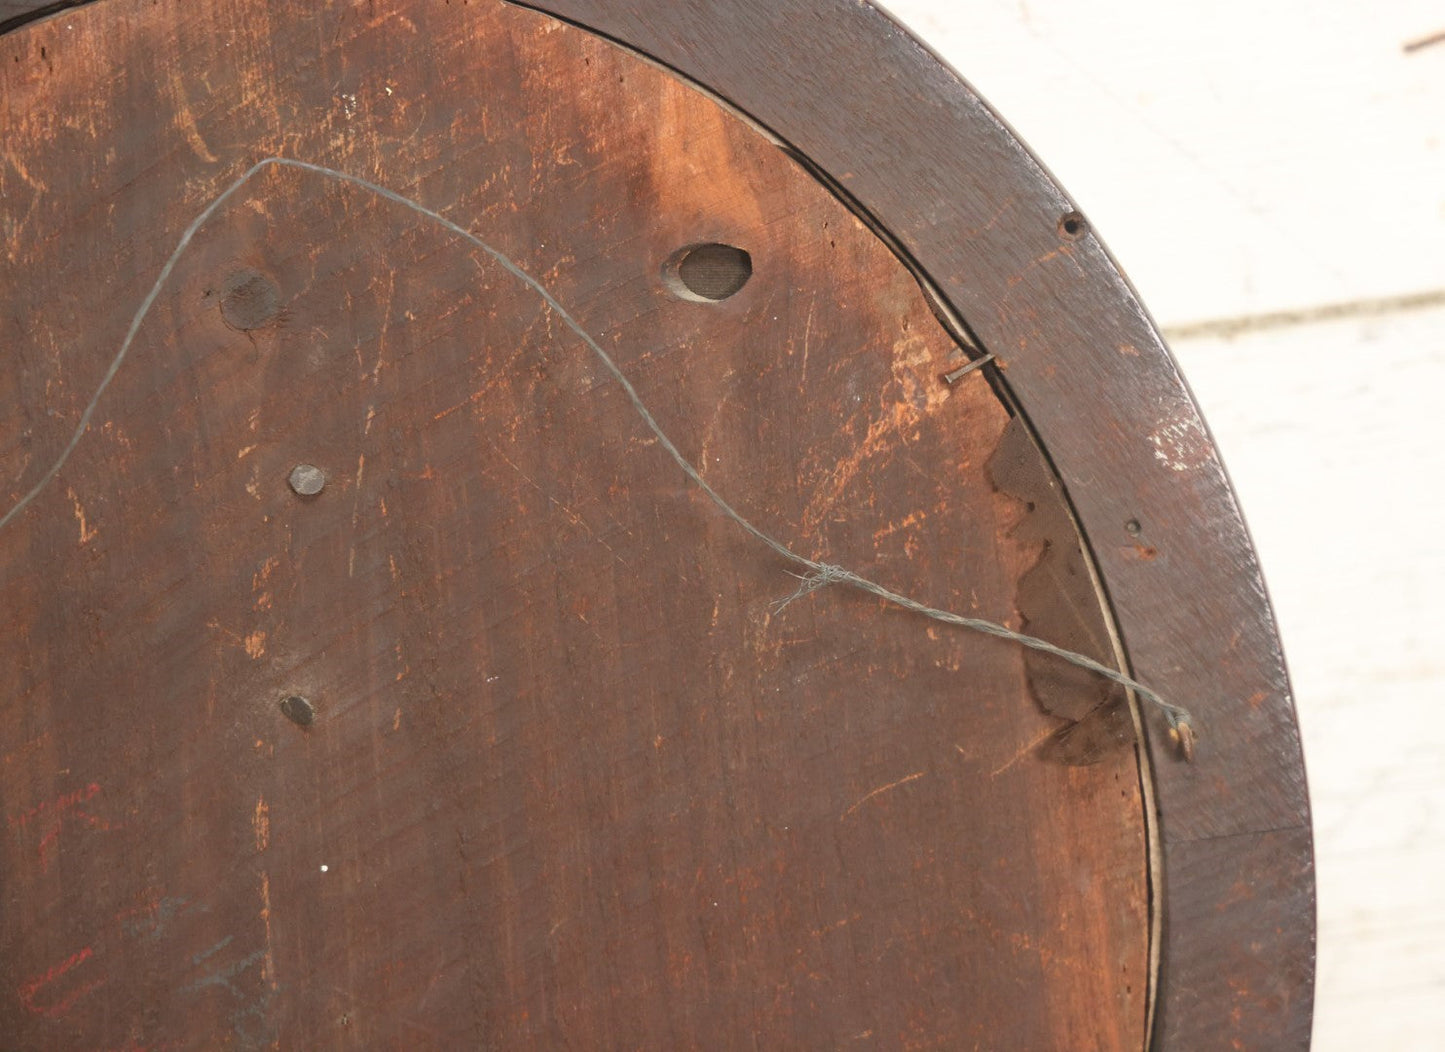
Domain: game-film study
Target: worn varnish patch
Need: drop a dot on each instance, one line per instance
(577, 780)
(1057, 599)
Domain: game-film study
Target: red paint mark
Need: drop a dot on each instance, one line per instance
(30, 989)
(60, 803)
(51, 817)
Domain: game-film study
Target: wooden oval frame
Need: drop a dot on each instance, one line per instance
(911, 146)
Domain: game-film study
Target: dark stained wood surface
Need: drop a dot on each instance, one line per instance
(572, 779)
(909, 142)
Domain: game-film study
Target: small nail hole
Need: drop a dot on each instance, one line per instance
(1133, 527)
(298, 710)
(707, 273)
(1073, 226)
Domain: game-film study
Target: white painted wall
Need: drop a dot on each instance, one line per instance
(1243, 159)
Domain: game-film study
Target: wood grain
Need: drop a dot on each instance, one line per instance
(573, 779)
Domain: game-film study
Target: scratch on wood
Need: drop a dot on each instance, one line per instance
(87, 532)
(186, 121)
(807, 339)
(882, 789)
(269, 967)
(261, 823)
(1028, 748)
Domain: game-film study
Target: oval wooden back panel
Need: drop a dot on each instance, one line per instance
(573, 775)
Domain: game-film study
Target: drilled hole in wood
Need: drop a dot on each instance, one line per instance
(708, 273)
(299, 711)
(1073, 226)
